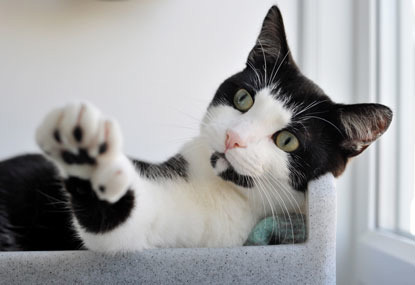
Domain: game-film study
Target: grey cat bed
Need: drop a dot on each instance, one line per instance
(312, 262)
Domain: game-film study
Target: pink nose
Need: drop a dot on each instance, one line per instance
(233, 140)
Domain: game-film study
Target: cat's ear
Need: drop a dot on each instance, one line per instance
(271, 43)
(362, 125)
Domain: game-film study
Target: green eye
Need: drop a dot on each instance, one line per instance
(287, 141)
(243, 100)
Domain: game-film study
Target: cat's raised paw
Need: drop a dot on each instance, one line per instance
(78, 137)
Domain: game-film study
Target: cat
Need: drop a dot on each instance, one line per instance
(267, 132)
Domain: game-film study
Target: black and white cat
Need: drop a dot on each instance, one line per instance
(267, 132)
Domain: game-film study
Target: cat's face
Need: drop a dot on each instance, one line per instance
(270, 123)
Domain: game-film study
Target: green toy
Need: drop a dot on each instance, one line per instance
(281, 229)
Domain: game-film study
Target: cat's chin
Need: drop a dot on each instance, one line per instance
(224, 169)
(223, 161)
(242, 165)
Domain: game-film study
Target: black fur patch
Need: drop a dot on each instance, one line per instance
(34, 212)
(241, 180)
(230, 174)
(7, 235)
(94, 215)
(214, 158)
(175, 167)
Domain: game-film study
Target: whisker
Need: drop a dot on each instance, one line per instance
(282, 61)
(324, 120)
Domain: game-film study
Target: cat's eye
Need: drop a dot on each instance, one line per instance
(287, 141)
(243, 100)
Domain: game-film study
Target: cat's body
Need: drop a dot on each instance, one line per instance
(220, 215)
(267, 133)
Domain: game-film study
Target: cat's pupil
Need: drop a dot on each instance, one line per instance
(242, 98)
(287, 141)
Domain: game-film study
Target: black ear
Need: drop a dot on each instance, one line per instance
(271, 43)
(362, 124)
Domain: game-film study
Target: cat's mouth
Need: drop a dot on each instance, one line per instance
(227, 172)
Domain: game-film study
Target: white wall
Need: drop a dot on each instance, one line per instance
(152, 64)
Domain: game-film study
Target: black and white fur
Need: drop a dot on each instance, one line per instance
(86, 193)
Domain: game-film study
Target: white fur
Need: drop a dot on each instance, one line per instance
(202, 211)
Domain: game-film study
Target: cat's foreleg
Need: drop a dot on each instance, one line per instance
(87, 148)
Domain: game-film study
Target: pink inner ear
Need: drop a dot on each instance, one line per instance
(363, 124)
(365, 129)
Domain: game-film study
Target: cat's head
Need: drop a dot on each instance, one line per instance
(269, 122)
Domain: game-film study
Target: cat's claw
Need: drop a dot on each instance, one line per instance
(85, 144)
